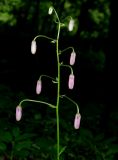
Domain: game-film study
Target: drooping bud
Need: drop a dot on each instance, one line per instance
(50, 10)
(33, 47)
(38, 87)
(77, 121)
(71, 81)
(18, 113)
(72, 58)
(71, 25)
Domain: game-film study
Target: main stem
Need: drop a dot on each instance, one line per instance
(58, 92)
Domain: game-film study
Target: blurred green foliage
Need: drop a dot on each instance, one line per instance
(7, 11)
(92, 20)
(94, 14)
(34, 137)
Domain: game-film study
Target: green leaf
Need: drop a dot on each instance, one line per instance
(2, 147)
(110, 140)
(62, 150)
(23, 145)
(16, 132)
(24, 136)
(44, 144)
(22, 154)
(112, 150)
(7, 137)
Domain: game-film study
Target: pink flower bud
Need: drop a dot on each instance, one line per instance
(33, 47)
(77, 121)
(71, 81)
(71, 25)
(18, 113)
(72, 58)
(50, 10)
(38, 87)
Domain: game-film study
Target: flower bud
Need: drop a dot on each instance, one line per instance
(72, 58)
(71, 25)
(38, 87)
(33, 47)
(50, 10)
(77, 121)
(18, 113)
(71, 81)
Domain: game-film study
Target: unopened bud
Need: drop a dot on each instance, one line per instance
(71, 81)
(33, 47)
(72, 58)
(18, 113)
(71, 25)
(50, 10)
(38, 87)
(77, 121)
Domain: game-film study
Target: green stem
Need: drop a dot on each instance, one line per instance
(64, 65)
(11, 157)
(67, 49)
(71, 101)
(68, 17)
(44, 37)
(53, 79)
(59, 25)
(57, 105)
(31, 100)
(58, 87)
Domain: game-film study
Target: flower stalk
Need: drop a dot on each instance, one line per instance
(57, 80)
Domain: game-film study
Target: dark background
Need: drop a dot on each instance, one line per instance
(93, 39)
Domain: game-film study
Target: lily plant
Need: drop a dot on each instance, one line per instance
(56, 80)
